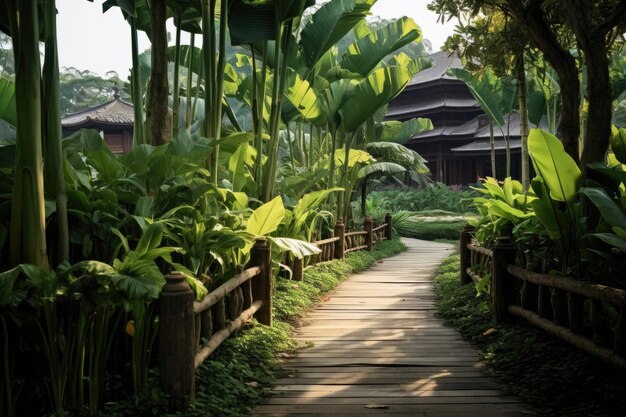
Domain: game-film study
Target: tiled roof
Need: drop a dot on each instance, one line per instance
(114, 112)
(441, 62)
(483, 145)
(438, 103)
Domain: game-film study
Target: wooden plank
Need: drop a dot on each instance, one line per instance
(376, 340)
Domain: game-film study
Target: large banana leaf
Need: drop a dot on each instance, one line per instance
(551, 217)
(356, 156)
(557, 169)
(611, 212)
(265, 219)
(414, 65)
(329, 24)
(400, 132)
(298, 248)
(7, 101)
(250, 22)
(399, 154)
(334, 96)
(367, 52)
(304, 101)
(482, 93)
(378, 89)
(381, 168)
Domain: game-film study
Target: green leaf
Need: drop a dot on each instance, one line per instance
(557, 169)
(8, 111)
(298, 248)
(618, 144)
(150, 239)
(400, 132)
(138, 279)
(267, 218)
(612, 213)
(237, 167)
(613, 240)
(251, 22)
(482, 92)
(378, 89)
(367, 52)
(304, 101)
(329, 24)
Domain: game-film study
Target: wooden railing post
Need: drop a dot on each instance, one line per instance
(298, 269)
(466, 256)
(389, 228)
(340, 245)
(177, 340)
(262, 284)
(369, 226)
(502, 284)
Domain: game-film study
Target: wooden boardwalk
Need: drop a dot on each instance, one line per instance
(378, 349)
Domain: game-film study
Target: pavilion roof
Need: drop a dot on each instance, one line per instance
(442, 61)
(115, 112)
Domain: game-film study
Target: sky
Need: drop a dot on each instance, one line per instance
(90, 40)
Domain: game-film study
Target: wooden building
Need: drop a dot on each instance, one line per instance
(114, 119)
(458, 148)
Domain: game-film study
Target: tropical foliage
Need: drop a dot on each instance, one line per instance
(263, 133)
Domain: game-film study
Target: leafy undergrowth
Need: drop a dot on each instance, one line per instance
(553, 376)
(239, 374)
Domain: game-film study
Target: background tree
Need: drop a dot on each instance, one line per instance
(81, 89)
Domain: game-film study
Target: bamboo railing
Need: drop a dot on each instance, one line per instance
(576, 311)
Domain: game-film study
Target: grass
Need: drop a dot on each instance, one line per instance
(551, 375)
(239, 374)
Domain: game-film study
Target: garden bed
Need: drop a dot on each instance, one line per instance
(544, 371)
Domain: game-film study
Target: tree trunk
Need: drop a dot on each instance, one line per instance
(523, 114)
(160, 121)
(492, 142)
(28, 230)
(139, 137)
(54, 177)
(565, 66)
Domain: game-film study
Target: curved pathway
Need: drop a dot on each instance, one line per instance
(378, 349)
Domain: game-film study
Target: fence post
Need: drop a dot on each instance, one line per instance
(502, 284)
(297, 269)
(176, 340)
(466, 258)
(369, 225)
(262, 284)
(340, 245)
(389, 228)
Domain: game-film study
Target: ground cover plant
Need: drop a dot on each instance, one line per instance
(238, 375)
(556, 378)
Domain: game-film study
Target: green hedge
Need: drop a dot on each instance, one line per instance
(430, 230)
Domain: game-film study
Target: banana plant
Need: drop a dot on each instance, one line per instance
(557, 206)
(28, 235)
(496, 97)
